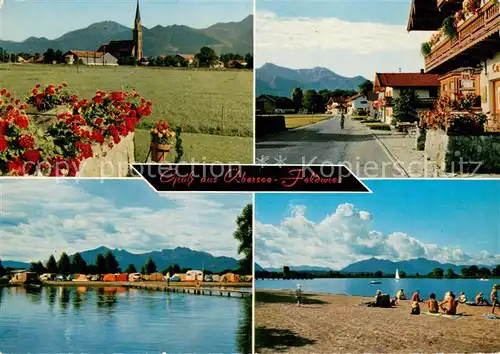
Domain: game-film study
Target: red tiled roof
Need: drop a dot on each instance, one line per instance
(186, 56)
(406, 80)
(86, 53)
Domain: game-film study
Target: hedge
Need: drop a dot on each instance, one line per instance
(269, 125)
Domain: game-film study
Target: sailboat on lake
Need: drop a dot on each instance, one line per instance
(397, 274)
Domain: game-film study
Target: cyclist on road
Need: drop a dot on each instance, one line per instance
(342, 120)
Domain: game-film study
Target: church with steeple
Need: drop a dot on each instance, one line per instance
(127, 48)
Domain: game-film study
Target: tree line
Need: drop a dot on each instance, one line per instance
(206, 57)
(313, 101)
(472, 272)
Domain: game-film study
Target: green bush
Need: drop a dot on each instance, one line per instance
(378, 126)
(370, 121)
(421, 139)
(269, 125)
(426, 49)
(358, 117)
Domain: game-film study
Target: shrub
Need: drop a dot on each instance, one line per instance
(425, 49)
(378, 126)
(421, 139)
(358, 117)
(269, 125)
(370, 121)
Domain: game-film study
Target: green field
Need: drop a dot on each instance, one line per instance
(300, 120)
(214, 106)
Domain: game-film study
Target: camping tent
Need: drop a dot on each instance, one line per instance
(121, 277)
(246, 278)
(109, 277)
(216, 278)
(134, 277)
(81, 277)
(194, 275)
(230, 278)
(156, 277)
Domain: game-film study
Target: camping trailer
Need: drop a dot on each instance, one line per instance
(230, 278)
(194, 275)
(24, 278)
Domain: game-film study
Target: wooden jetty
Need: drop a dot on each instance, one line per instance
(228, 292)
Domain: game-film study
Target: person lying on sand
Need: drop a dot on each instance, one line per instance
(433, 304)
(416, 297)
(462, 298)
(494, 298)
(449, 306)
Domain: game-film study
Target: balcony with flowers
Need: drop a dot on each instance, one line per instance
(471, 28)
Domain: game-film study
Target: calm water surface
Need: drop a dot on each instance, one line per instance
(362, 287)
(119, 320)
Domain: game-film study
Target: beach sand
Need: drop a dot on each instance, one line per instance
(336, 323)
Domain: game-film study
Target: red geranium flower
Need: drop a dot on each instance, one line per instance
(32, 155)
(16, 166)
(21, 121)
(3, 143)
(27, 141)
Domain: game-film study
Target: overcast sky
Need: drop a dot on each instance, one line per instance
(348, 37)
(20, 19)
(43, 216)
(447, 221)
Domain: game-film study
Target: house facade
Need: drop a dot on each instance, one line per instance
(360, 103)
(87, 57)
(268, 104)
(336, 106)
(470, 59)
(389, 87)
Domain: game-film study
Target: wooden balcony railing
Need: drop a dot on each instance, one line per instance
(485, 23)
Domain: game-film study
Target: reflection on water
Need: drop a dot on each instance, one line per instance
(127, 320)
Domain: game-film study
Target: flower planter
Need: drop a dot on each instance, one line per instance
(44, 119)
(159, 152)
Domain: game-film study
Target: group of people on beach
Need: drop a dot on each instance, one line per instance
(448, 306)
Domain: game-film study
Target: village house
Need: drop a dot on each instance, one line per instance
(336, 106)
(361, 103)
(390, 85)
(236, 64)
(268, 104)
(470, 60)
(189, 58)
(87, 57)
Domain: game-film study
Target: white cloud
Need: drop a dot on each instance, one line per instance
(39, 217)
(344, 237)
(348, 48)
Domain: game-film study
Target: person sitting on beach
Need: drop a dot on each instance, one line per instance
(451, 305)
(400, 295)
(494, 298)
(433, 304)
(416, 297)
(415, 308)
(376, 301)
(480, 300)
(462, 298)
(298, 294)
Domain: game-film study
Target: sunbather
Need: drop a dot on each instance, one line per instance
(415, 308)
(449, 306)
(376, 301)
(462, 298)
(480, 300)
(433, 304)
(400, 295)
(494, 298)
(416, 297)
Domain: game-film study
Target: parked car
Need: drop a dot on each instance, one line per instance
(95, 278)
(60, 277)
(209, 278)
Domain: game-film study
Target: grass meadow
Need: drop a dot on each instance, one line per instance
(213, 107)
(300, 120)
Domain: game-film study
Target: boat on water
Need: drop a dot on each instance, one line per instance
(397, 274)
(375, 282)
(484, 279)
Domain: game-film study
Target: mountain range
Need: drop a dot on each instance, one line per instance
(410, 267)
(280, 81)
(184, 257)
(231, 37)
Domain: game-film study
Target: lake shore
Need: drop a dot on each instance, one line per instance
(101, 284)
(336, 323)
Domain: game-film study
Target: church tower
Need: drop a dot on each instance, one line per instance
(137, 34)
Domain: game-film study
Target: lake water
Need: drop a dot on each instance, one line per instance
(120, 320)
(362, 287)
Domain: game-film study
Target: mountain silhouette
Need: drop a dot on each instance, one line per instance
(231, 37)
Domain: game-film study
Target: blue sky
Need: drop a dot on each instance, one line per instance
(40, 216)
(52, 18)
(451, 214)
(348, 37)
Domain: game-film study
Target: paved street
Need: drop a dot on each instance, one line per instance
(326, 143)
